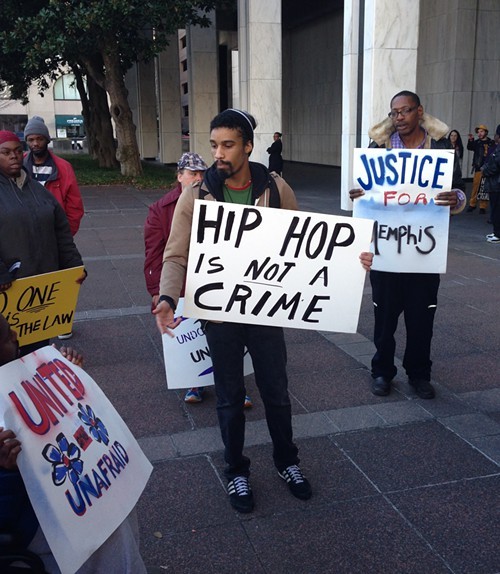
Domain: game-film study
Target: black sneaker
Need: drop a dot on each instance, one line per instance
(423, 388)
(240, 494)
(297, 483)
(381, 386)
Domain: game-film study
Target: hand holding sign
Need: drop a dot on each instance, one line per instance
(10, 447)
(165, 319)
(276, 267)
(407, 192)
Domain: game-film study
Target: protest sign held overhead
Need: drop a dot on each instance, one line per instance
(400, 185)
(275, 267)
(82, 468)
(42, 306)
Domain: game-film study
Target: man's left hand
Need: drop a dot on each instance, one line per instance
(366, 259)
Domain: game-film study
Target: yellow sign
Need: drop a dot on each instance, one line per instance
(42, 306)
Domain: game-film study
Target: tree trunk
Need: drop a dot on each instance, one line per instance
(101, 141)
(84, 99)
(103, 145)
(128, 150)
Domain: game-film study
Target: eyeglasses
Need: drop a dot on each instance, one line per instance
(393, 114)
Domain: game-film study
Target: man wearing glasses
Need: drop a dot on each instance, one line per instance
(414, 294)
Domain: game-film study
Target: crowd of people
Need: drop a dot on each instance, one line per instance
(40, 212)
(484, 169)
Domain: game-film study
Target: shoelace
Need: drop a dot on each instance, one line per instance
(240, 486)
(294, 474)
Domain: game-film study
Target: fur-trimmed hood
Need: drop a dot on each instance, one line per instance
(380, 133)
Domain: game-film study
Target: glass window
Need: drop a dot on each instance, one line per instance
(65, 88)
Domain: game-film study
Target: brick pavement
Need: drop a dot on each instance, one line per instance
(400, 484)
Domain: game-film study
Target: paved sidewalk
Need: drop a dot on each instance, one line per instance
(401, 485)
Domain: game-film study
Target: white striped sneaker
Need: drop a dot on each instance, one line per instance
(297, 483)
(240, 494)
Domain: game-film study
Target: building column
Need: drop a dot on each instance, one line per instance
(203, 86)
(260, 55)
(169, 97)
(386, 64)
(140, 82)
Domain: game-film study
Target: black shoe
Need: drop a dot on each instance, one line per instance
(482, 211)
(240, 494)
(381, 386)
(423, 388)
(297, 483)
(470, 209)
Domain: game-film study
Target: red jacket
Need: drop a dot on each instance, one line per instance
(64, 187)
(156, 233)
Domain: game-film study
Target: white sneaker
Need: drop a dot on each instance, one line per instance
(493, 239)
(65, 336)
(490, 235)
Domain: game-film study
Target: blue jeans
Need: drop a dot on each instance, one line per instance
(414, 295)
(266, 345)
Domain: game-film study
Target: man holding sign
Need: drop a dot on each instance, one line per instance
(234, 179)
(414, 294)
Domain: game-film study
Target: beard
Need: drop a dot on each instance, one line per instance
(225, 173)
(40, 152)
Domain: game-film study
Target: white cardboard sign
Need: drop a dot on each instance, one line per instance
(187, 356)
(411, 230)
(275, 267)
(82, 468)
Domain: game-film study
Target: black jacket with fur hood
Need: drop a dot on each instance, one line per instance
(436, 139)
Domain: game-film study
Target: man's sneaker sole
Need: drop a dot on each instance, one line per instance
(240, 494)
(297, 483)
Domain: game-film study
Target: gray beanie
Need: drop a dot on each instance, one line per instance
(36, 126)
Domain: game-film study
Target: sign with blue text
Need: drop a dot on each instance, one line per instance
(187, 356)
(400, 185)
(82, 468)
(275, 267)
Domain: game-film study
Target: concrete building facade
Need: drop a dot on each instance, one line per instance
(321, 76)
(324, 75)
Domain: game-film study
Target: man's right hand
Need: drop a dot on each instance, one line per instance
(165, 318)
(355, 193)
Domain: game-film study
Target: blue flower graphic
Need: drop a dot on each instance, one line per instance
(96, 427)
(65, 460)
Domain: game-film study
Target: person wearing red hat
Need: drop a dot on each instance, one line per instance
(35, 236)
(481, 148)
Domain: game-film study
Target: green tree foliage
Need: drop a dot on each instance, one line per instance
(103, 38)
